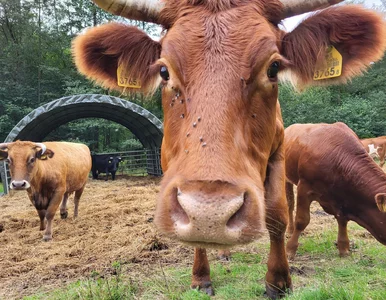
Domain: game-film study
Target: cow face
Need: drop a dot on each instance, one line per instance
(22, 158)
(113, 163)
(218, 66)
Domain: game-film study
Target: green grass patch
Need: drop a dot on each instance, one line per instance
(324, 275)
(1, 187)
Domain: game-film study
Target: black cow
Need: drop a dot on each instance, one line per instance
(105, 163)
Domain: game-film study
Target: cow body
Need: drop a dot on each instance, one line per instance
(376, 147)
(218, 64)
(105, 163)
(329, 165)
(48, 177)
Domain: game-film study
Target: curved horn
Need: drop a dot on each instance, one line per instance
(41, 145)
(3, 145)
(297, 7)
(141, 10)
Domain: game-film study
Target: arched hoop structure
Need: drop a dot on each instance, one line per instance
(40, 122)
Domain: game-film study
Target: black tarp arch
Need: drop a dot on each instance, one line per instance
(40, 122)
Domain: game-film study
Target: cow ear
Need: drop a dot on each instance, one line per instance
(47, 154)
(101, 50)
(357, 34)
(380, 199)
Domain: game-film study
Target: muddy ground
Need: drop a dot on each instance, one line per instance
(115, 223)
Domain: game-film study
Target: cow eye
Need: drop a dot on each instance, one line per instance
(164, 73)
(32, 160)
(273, 70)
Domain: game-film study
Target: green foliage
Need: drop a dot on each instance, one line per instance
(36, 64)
(361, 104)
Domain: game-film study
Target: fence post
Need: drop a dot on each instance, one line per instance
(4, 176)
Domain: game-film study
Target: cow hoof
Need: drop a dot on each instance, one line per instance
(272, 292)
(344, 254)
(63, 215)
(224, 257)
(47, 238)
(205, 287)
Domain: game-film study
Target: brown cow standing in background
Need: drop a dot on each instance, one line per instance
(49, 173)
(218, 64)
(378, 147)
(329, 165)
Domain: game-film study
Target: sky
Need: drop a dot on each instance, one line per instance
(290, 23)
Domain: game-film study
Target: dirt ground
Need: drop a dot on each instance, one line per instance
(115, 223)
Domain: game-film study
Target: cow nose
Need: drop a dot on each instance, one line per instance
(212, 213)
(19, 185)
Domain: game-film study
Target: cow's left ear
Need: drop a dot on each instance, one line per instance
(358, 34)
(47, 154)
(380, 199)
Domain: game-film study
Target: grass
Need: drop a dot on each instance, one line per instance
(1, 188)
(319, 274)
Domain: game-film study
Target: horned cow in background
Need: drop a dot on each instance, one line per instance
(49, 172)
(218, 64)
(376, 147)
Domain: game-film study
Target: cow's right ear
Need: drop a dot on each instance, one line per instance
(100, 50)
(47, 154)
(380, 199)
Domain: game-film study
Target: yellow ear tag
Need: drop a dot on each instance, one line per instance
(333, 66)
(43, 157)
(125, 81)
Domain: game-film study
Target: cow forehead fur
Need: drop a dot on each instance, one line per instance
(175, 8)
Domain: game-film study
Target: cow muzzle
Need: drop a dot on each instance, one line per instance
(211, 214)
(19, 185)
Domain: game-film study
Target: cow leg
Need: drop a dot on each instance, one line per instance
(63, 207)
(302, 218)
(382, 156)
(42, 215)
(201, 272)
(77, 196)
(113, 175)
(224, 255)
(107, 174)
(343, 240)
(289, 191)
(277, 279)
(50, 213)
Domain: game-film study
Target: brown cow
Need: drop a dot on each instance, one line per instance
(328, 164)
(218, 65)
(376, 147)
(49, 173)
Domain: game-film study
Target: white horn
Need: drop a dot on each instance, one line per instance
(41, 145)
(3, 145)
(141, 10)
(298, 7)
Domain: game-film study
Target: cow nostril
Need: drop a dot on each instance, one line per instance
(238, 218)
(178, 212)
(23, 185)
